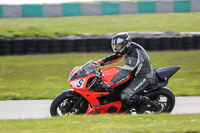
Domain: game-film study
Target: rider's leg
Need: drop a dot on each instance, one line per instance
(130, 96)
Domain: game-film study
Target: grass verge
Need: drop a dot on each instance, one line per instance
(64, 26)
(163, 123)
(46, 76)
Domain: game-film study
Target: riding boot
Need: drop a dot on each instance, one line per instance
(140, 108)
(141, 103)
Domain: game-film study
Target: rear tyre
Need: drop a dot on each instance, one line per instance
(164, 98)
(64, 105)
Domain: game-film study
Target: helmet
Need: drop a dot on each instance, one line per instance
(121, 43)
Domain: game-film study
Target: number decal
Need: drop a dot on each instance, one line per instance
(80, 82)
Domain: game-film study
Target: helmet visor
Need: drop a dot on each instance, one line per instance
(117, 47)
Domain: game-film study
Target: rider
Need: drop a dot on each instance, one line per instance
(137, 63)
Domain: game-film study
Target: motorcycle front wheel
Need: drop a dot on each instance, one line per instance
(68, 105)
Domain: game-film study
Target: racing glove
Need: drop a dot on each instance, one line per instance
(98, 63)
(107, 86)
(110, 84)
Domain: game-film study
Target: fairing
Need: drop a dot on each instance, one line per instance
(110, 72)
(82, 71)
(166, 72)
(78, 81)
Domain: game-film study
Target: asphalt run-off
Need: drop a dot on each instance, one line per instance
(33, 109)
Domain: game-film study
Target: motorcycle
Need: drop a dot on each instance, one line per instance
(89, 96)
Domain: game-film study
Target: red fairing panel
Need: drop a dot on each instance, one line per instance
(103, 109)
(111, 72)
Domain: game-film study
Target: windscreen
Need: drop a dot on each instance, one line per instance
(83, 71)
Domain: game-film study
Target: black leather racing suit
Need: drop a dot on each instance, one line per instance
(137, 63)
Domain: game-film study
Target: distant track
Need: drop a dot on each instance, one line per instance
(33, 109)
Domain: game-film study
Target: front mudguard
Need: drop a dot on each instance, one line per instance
(70, 93)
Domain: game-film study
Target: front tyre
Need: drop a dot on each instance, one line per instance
(66, 105)
(164, 98)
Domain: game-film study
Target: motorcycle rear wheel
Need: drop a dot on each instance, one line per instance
(64, 105)
(165, 98)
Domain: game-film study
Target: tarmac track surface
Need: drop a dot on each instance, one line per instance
(33, 109)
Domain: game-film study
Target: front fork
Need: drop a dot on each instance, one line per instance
(75, 105)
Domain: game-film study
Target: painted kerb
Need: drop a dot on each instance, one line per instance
(99, 8)
(1, 12)
(146, 7)
(195, 5)
(128, 7)
(182, 6)
(164, 6)
(32, 10)
(12, 11)
(91, 8)
(71, 9)
(54, 10)
(108, 8)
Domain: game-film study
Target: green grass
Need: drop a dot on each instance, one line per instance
(164, 123)
(46, 76)
(63, 26)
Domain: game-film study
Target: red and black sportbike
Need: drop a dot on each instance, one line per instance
(88, 96)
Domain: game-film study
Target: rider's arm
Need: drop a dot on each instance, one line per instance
(109, 59)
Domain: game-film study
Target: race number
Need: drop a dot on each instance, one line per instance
(78, 83)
